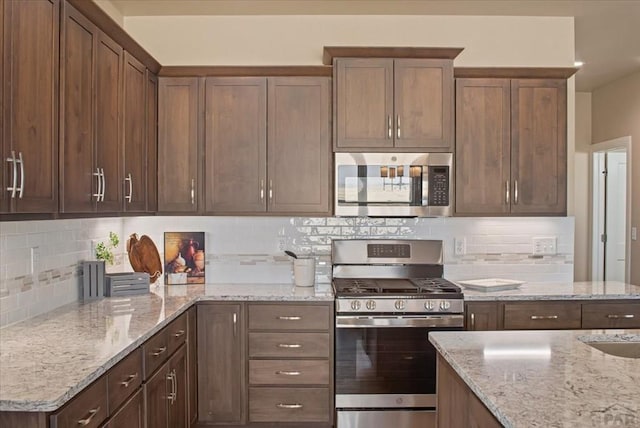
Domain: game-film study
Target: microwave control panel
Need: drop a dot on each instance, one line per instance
(439, 186)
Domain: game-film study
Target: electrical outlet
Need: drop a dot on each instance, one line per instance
(545, 246)
(35, 260)
(634, 233)
(282, 243)
(460, 246)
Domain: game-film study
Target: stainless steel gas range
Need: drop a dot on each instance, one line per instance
(389, 295)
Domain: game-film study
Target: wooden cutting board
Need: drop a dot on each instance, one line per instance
(144, 256)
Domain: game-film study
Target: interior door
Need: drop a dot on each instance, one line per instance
(616, 216)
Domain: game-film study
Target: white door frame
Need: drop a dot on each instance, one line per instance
(597, 220)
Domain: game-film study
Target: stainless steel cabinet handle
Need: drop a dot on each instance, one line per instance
(473, 321)
(544, 317)
(398, 126)
(13, 188)
(515, 192)
(21, 162)
(389, 134)
(99, 190)
(159, 351)
(261, 190)
(193, 191)
(235, 324)
(289, 345)
(287, 318)
(271, 191)
(171, 377)
(288, 373)
(130, 379)
(104, 184)
(130, 195)
(508, 192)
(614, 316)
(289, 406)
(179, 333)
(86, 421)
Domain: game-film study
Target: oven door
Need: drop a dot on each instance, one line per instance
(387, 363)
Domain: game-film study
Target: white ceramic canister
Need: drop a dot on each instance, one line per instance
(304, 271)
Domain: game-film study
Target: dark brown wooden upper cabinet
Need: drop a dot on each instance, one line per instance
(29, 147)
(511, 146)
(179, 151)
(91, 121)
(399, 104)
(236, 145)
(299, 145)
(539, 146)
(152, 142)
(135, 135)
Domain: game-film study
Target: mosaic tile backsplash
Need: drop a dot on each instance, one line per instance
(250, 249)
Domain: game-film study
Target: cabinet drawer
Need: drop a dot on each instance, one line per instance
(286, 345)
(541, 315)
(156, 352)
(289, 405)
(124, 378)
(288, 317)
(88, 409)
(611, 315)
(176, 333)
(289, 372)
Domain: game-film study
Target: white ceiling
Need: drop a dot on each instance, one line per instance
(607, 32)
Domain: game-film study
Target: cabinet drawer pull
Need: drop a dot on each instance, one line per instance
(398, 126)
(473, 321)
(129, 179)
(179, 333)
(193, 191)
(614, 316)
(98, 193)
(508, 192)
(21, 162)
(289, 406)
(544, 317)
(296, 318)
(104, 184)
(130, 379)
(13, 188)
(389, 134)
(289, 345)
(515, 192)
(288, 373)
(159, 351)
(86, 421)
(173, 395)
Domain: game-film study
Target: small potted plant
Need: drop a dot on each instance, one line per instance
(105, 252)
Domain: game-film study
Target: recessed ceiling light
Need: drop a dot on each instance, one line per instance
(578, 63)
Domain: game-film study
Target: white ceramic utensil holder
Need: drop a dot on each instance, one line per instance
(304, 271)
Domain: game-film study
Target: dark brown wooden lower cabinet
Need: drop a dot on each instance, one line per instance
(192, 372)
(457, 406)
(482, 316)
(131, 415)
(166, 393)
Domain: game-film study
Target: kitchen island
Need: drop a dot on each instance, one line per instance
(538, 378)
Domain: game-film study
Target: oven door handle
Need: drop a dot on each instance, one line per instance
(399, 321)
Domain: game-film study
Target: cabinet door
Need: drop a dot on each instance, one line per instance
(135, 142)
(157, 391)
(152, 142)
(131, 415)
(192, 372)
(539, 146)
(483, 147)
(364, 103)
(179, 392)
(236, 145)
(481, 316)
(423, 91)
(178, 147)
(30, 125)
(299, 147)
(109, 121)
(80, 177)
(221, 363)
(4, 151)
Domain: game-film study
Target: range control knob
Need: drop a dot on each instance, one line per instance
(444, 305)
(400, 304)
(371, 305)
(355, 305)
(429, 305)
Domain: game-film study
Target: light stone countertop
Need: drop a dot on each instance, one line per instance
(586, 290)
(547, 378)
(46, 360)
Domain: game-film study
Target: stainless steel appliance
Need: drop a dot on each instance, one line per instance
(393, 184)
(389, 295)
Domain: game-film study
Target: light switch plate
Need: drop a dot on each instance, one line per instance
(460, 246)
(634, 233)
(545, 246)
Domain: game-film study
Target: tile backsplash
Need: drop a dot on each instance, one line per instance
(39, 260)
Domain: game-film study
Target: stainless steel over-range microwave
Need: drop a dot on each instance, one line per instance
(393, 184)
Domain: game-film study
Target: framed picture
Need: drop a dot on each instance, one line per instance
(184, 258)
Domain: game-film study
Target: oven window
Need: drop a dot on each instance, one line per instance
(380, 184)
(385, 361)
